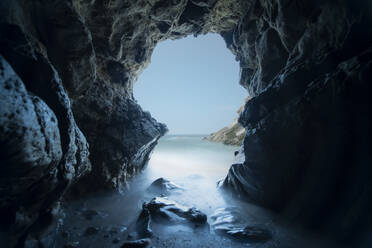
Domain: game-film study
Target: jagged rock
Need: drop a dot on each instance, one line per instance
(162, 186)
(166, 211)
(229, 222)
(163, 208)
(232, 134)
(30, 154)
(141, 243)
(91, 231)
(117, 229)
(116, 240)
(72, 245)
(143, 224)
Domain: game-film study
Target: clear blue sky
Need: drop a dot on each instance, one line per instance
(191, 85)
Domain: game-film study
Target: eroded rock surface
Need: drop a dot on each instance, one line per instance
(232, 134)
(166, 211)
(307, 65)
(231, 223)
(162, 186)
(141, 243)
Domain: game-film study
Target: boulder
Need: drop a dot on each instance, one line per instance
(162, 186)
(229, 222)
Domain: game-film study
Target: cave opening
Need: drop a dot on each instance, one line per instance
(192, 86)
(69, 123)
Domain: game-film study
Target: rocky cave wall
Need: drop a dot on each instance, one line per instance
(68, 118)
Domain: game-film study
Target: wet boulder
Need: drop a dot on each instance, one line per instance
(163, 208)
(141, 243)
(143, 224)
(229, 222)
(162, 186)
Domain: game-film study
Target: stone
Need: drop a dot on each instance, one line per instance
(163, 208)
(162, 186)
(229, 222)
(143, 224)
(117, 229)
(131, 236)
(141, 243)
(116, 241)
(232, 134)
(91, 231)
(72, 245)
(65, 234)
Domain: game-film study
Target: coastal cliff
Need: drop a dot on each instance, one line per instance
(230, 135)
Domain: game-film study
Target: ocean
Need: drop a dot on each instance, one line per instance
(195, 164)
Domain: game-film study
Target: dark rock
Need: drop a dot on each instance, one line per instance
(232, 134)
(89, 214)
(117, 229)
(116, 241)
(143, 224)
(162, 186)
(131, 236)
(65, 234)
(251, 234)
(91, 231)
(163, 208)
(72, 245)
(141, 243)
(229, 222)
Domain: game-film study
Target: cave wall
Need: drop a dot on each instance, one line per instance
(69, 120)
(307, 65)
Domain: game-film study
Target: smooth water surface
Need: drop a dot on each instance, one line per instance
(194, 164)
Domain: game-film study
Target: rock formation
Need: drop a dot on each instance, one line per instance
(230, 135)
(68, 119)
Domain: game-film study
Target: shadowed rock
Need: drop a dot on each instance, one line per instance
(230, 223)
(143, 224)
(166, 211)
(141, 243)
(162, 186)
(163, 208)
(91, 231)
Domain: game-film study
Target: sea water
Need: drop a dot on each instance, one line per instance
(195, 164)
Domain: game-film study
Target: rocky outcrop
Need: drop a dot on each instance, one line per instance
(43, 150)
(78, 61)
(230, 135)
(305, 150)
(68, 69)
(229, 222)
(166, 211)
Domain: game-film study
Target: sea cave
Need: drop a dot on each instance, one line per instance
(76, 146)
